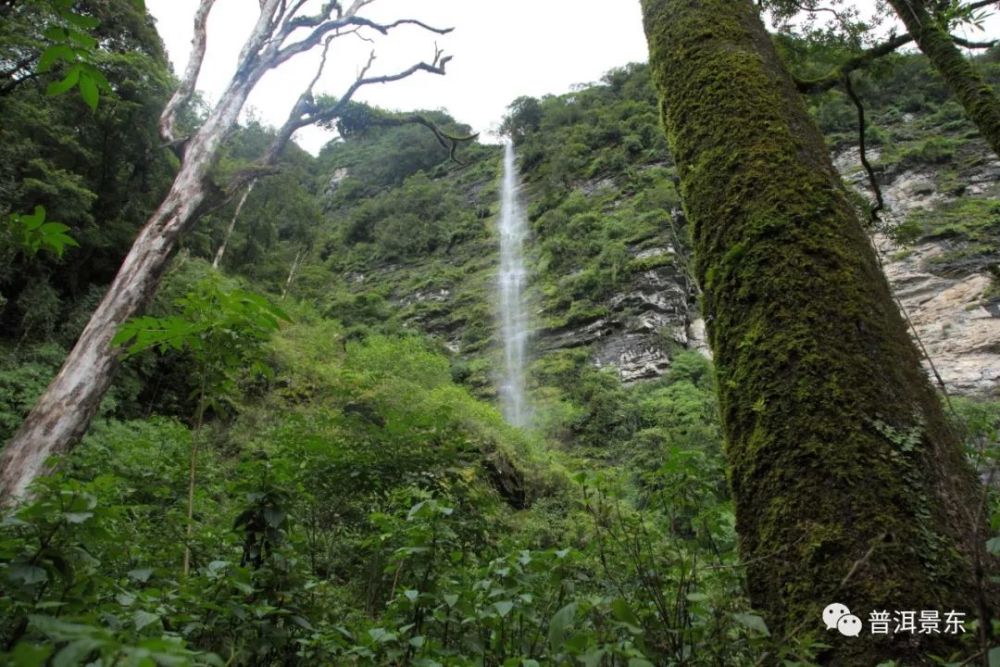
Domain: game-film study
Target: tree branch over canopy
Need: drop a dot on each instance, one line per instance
(786, 8)
(859, 61)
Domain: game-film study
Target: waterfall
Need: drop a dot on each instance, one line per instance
(512, 278)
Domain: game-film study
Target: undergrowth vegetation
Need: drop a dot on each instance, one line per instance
(300, 461)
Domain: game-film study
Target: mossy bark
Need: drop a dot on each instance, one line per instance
(849, 485)
(980, 101)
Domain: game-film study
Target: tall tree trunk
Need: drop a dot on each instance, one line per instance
(221, 252)
(980, 101)
(62, 414)
(291, 273)
(849, 485)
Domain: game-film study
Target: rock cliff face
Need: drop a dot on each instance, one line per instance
(653, 314)
(947, 300)
(949, 303)
(610, 279)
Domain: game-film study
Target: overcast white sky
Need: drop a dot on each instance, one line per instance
(502, 49)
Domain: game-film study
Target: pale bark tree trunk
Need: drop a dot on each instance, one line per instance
(63, 412)
(849, 484)
(291, 273)
(220, 253)
(977, 97)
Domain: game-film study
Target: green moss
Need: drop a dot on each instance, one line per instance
(809, 346)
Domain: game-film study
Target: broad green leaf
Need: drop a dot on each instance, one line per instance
(559, 626)
(752, 622)
(274, 516)
(74, 653)
(53, 54)
(71, 79)
(622, 612)
(503, 607)
(30, 655)
(82, 39)
(81, 21)
(143, 618)
(27, 574)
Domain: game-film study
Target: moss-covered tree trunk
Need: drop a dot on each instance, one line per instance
(980, 101)
(849, 485)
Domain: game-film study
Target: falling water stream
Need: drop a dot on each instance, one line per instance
(513, 322)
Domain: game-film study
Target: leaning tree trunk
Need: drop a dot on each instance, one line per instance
(282, 31)
(980, 101)
(849, 484)
(62, 414)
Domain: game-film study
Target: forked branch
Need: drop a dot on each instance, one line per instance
(181, 96)
(308, 112)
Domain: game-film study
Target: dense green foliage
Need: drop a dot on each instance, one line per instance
(358, 499)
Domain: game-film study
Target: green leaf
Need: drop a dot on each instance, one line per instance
(77, 517)
(54, 33)
(74, 653)
(381, 635)
(81, 21)
(53, 54)
(82, 39)
(71, 79)
(559, 626)
(27, 574)
(752, 622)
(993, 546)
(503, 607)
(88, 91)
(994, 656)
(274, 516)
(621, 611)
(30, 655)
(639, 662)
(143, 618)
(450, 600)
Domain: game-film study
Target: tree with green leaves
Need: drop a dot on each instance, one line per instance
(281, 32)
(224, 330)
(928, 24)
(49, 144)
(849, 482)
(931, 26)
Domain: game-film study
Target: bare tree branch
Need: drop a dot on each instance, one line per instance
(329, 26)
(307, 112)
(168, 119)
(863, 151)
(859, 61)
(973, 45)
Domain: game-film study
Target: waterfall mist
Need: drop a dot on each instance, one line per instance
(511, 283)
